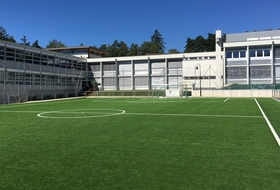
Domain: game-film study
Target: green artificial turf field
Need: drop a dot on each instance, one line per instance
(153, 143)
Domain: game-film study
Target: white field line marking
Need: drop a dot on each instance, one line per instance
(269, 124)
(34, 103)
(226, 99)
(97, 112)
(156, 102)
(5, 111)
(194, 115)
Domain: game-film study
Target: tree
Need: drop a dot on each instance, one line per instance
(36, 44)
(55, 44)
(3, 33)
(200, 44)
(134, 50)
(210, 43)
(196, 45)
(145, 48)
(11, 39)
(116, 49)
(5, 36)
(103, 47)
(24, 41)
(173, 51)
(113, 49)
(157, 43)
(122, 49)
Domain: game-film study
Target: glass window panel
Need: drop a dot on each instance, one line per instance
(267, 52)
(236, 54)
(229, 54)
(259, 53)
(242, 54)
(252, 53)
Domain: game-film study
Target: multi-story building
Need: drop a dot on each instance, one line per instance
(28, 73)
(252, 57)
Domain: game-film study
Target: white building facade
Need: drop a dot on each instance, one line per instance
(252, 58)
(249, 58)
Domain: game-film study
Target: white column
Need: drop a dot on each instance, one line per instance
(219, 62)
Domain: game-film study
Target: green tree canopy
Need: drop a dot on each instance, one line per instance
(5, 36)
(157, 43)
(117, 49)
(103, 47)
(200, 44)
(134, 49)
(24, 41)
(122, 49)
(55, 44)
(112, 49)
(36, 44)
(173, 51)
(145, 48)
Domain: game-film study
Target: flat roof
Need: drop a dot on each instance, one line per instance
(253, 36)
(90, 48)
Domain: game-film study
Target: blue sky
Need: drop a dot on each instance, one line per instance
(96, 22)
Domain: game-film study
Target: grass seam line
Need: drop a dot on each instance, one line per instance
(269, 124)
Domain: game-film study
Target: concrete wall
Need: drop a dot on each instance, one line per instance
(233, 93)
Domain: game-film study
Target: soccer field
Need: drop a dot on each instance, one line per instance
(141, 143)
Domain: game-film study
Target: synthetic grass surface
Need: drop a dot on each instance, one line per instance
(140, 144)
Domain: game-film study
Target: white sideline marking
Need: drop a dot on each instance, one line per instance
(226, 99)
(269, 124)
(195, 115)
(5, 111)
(33, 103)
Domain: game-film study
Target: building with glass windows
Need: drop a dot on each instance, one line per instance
(252, 57)
(80, 51)
(26, 73)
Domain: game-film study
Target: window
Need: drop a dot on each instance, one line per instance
(236, 54)
(242, 54)
(266, 53)
(10, 54)
(259, 53)
(77, 51)
(252, 53)
(236, 72)
(260, 72)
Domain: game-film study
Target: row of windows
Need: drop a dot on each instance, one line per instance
(236, 54)
(254, 72)
(78, 51)
(252, 53)
(35, 79)
(260, 53)
(40, 59)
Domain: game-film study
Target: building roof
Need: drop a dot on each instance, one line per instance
(252, 36)
(89, 49)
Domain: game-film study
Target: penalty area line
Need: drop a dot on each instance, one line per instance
(268, 123)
